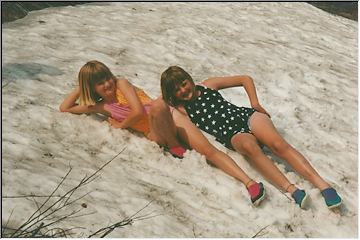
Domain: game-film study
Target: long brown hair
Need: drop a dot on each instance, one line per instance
(90, 74)
(170, 78)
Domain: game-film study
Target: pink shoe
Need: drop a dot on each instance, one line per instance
(257, 193)
(177, 151)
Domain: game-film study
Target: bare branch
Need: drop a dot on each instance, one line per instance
(141, 209)
(126, 221)
(259, 232)
(146, 217)
(63, 201)
(31, 217)
(37, 230)
(7, 222)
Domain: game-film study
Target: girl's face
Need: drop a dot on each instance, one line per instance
(105, 88)
(185, 91)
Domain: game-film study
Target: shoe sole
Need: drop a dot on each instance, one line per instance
(304, 201)
(335, 205)
(257, 202)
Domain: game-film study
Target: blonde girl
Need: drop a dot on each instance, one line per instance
(125, 105)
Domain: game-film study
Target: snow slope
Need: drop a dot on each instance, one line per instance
(304, 63)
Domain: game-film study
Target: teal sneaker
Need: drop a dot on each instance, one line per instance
(300, 197)
(332, 199)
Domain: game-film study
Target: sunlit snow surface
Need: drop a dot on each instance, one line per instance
(304, 64)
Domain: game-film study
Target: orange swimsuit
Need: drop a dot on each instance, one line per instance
(121, 109)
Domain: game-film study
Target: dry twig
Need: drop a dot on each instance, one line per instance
(127, 221)
(257, 234)
(36, 222)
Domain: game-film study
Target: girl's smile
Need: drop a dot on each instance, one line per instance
(105, 88)
(185, 91)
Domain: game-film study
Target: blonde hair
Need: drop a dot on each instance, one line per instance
(170, 78)
(90, 74)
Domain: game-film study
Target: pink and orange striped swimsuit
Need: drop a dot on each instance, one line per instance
(121, 109)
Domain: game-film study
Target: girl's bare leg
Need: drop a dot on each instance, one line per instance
(264, 130)
(192, 136)
(162, 128)
(246, 144)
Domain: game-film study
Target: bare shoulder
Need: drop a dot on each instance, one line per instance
(123, 84)
(122, 81)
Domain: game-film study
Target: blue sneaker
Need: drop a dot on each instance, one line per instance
(300, 197)
(332, 199)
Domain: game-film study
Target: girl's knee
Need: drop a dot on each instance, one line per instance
(158, 106)
(279, 147)
(250, 148)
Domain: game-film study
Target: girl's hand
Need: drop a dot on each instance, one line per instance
(259, 108)
(114, 123)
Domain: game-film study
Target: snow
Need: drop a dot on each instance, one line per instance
(304, 63)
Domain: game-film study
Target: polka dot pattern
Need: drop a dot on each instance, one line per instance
(218, 117)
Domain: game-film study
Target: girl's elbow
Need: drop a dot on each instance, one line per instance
(245, 79)
(66, 109)
(63, 109)
(248, 78)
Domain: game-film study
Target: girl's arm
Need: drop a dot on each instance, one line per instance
(137, 109)
(114, 123)
(182, 110)
(245, 81)
(69, 104)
